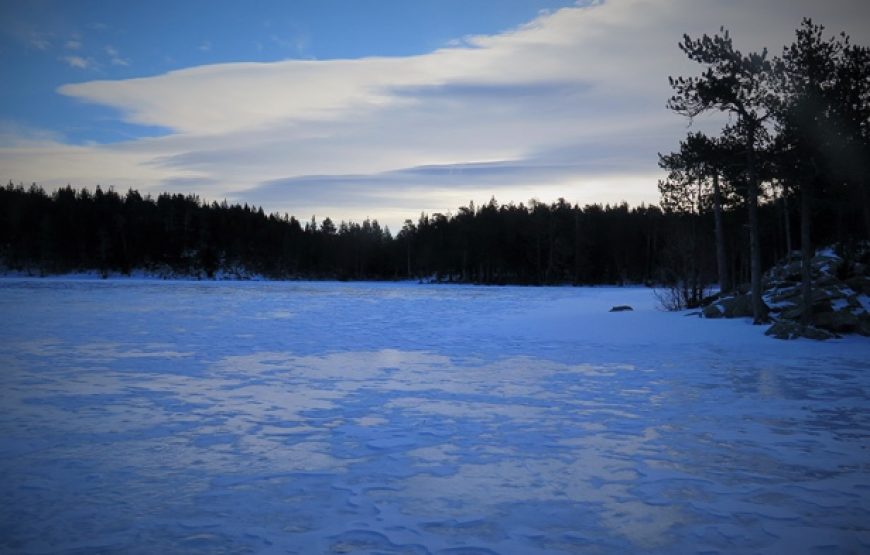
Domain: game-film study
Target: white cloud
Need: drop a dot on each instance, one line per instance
(37, 156)
(573, 101)
(115, 57)
(39, 41)
(78, 62)
(204, 46)
(13, 134)
(73, 44)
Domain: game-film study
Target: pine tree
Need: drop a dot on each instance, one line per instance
(741, 87)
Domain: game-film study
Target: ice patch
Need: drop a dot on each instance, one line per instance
(396, 418)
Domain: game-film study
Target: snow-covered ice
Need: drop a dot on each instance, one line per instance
(214, 417)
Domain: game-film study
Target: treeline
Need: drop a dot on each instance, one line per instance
(536, 243)
(78, 230)
(72, 230)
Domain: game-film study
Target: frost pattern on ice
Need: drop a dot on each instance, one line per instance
(314, 418)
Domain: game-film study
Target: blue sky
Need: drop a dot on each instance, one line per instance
(362, 108)
(46, 44)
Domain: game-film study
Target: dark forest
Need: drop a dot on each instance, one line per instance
(536, 243)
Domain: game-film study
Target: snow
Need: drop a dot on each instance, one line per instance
(230, 417)
(827, 252)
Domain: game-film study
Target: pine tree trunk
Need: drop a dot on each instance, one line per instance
(721, 259)
(787, 217)
(865, 197)
(758, 316)
(806, 255)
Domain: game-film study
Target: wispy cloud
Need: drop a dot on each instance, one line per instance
(204, 46)
(15, 135)
(297, 43)
(39, 41)
(570, 104)
(78, 62)
(115, 57)
(73, 44)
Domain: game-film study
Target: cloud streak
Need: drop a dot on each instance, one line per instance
(78, 62)
(570, 104)
(115, 57)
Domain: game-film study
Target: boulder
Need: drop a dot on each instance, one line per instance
(713, 311)
(795, 311)
(785, 294)
(839, 321)
(733, 306)
(736, 306)
(740, 306)
(859, 284)
(836, 305)
(710, 299)
(818, 334)
(789, 329)
(784, 329)
(621, 308)
(792, 312)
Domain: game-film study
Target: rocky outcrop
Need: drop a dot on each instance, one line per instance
(789, 329)
(731, 306)
(840, 302)
(621, 308)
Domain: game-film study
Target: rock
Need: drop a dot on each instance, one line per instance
(740, 306)
(837, 283)
(734, 306)
(710, 299)
(792, 312)
(621, 308)
(789, 294)
(784, 329)
(823, 305)
(826, 281)
(841, 321)
(713, 311)
(859, 284)
(811, 332)
(788, 329)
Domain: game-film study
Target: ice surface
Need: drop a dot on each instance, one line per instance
(237, 417)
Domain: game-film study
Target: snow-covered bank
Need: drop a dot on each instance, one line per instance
(144, 417)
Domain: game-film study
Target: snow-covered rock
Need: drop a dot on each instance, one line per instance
(730, 306)
(836, 305)
(839, 304)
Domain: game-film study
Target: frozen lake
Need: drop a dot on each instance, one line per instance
(250, 417)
